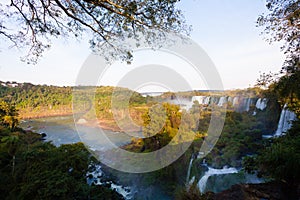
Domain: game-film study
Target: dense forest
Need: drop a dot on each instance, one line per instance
(240, 145)
(37, 100)
(31, 168)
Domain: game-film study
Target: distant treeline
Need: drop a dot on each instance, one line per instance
(43, 100)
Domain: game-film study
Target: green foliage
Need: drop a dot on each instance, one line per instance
(104, 96)
(41, 100)
(8, 115)
(161, 127)
(34, 100)
(240, 136)
(280, 160)
(287, 90)
(281, 23)
(32, 169)
(106, 22)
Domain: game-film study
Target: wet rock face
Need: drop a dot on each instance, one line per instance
(263, 191)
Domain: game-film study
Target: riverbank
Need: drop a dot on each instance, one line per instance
(108, 124)
(66, 110)
(34, 113)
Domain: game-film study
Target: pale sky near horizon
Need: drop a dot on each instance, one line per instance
(225, 29)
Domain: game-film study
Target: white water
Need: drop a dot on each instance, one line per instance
(189, 170)
(248, 104)
(202, 100)
(211, 171)
(261, 104)
(285, 121)
(96, 179)
(222, 101)
(239, 103)
(235, 101)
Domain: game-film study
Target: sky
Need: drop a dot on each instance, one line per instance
(225, 29)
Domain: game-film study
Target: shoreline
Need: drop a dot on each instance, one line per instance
(32, 113)
(109, 125)
(105, 124)
(45, 116)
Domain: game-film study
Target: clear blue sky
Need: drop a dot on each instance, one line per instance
(225, 29)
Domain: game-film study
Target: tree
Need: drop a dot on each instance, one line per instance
(107, 21)
(11, 143)
(283, 24)
(8, 115)
(266, 79)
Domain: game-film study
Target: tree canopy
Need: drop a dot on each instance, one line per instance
(34, 23)
(282, 23)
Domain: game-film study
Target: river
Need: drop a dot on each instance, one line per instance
(62, 130)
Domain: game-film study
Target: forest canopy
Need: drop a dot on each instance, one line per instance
(33, 24)
(282, 23)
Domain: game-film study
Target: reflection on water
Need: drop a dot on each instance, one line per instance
(62, 130)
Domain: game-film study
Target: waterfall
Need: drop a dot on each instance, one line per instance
(261, 104)
(183, 102)
(214, 100)
(235, 101)
(95, 176)
(222, 101)
(248, 104)
(203, 100)
(206, 100)
(200, 99)
(285, 121)
(230, 99)
(211, 171)
(241, 104)
(189, 170)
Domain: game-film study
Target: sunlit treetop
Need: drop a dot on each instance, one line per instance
(33, 24)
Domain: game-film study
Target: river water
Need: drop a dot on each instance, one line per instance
(62, 130)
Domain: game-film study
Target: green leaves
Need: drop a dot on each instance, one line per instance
(43, 171)
(282, 24)
(110, 22)
(8, 115)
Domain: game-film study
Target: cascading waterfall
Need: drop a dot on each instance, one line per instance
(285, 121)
(235, 101)
(214, 100)
(248, 104)
(243, 105)
(189, 170)
(211, 171)
(206, 101)
(96, 177)
(230, 99)
(261, 104)
(200, 99)
(239, 103)
(222, 101)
